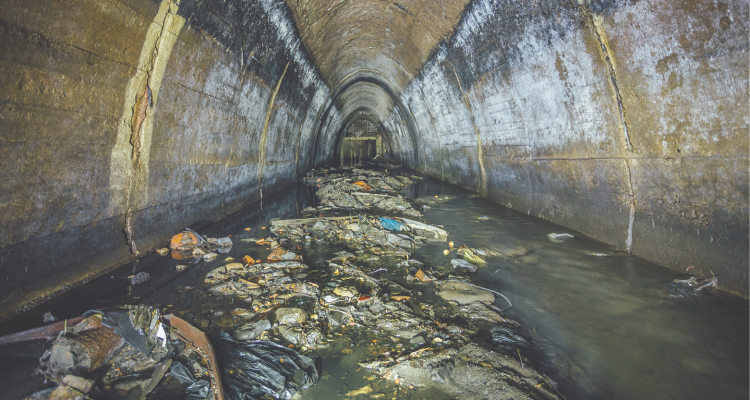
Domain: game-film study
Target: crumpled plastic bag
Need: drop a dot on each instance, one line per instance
(198, 389)
(392, 225)
(250, 369)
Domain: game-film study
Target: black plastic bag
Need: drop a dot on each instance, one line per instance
(250, 369)
(180, 372)
(199, 390)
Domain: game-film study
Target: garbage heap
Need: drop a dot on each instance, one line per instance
(270, 321)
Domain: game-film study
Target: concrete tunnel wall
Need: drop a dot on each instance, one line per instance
(627, 121)
(124, 121)
(91, 162)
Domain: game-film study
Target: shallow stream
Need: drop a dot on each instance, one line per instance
(606, 320)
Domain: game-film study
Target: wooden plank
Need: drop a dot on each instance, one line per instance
(285, 222)
(198, 340)
(43, 332)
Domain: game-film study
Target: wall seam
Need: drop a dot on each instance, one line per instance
(130, 155)
(612, 70)
(264, 135)
(483, 183)
(437, 137)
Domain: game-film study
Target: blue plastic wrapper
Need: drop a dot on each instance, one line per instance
(392, 225)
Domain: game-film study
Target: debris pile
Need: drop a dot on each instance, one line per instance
(370, 190)
(410, 324)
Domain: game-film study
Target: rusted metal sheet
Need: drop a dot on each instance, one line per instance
(100, 344)
(46, 332)
(198, 340)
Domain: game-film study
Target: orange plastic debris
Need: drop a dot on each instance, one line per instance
(399, 298)
(182, 239)
(276, 255)
(422, 276)
(247, 260)
(177, 255)
(363, 185)
(247, 229)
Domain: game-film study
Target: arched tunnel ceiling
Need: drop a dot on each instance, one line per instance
(365, 95)
(394, 39)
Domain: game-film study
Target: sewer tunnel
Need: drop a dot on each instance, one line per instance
(122, 122)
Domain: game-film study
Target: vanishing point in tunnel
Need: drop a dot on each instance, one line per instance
(124, 121)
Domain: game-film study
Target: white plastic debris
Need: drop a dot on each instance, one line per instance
(559, 237)
(223, 242)
(160, 334)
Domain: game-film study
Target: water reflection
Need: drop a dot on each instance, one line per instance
(608, 324)
(605, 320)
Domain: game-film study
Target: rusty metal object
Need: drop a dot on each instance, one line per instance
(46, 332)
(83, 352)
(198, 340)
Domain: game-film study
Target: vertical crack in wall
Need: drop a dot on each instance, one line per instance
(129, 162)
(609, 58)
(129, 233)
(601, 36)
(264, 135)
(631, 218)
(141, 106)
(483, 184)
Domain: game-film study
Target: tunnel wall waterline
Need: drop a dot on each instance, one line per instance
(125, 121)
(626, 122)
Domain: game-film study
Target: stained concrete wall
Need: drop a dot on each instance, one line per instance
(121, 122)
(626, 121)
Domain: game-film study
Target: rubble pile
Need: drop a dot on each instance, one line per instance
(370, 190)
(412, 325)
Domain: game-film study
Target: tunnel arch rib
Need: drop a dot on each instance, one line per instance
(408, 159)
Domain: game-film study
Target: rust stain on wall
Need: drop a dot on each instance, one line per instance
(139, 114)
(264, 135)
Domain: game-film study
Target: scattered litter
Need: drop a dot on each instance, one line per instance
(559, 237)
(183, 239)
(139, 278)
(270, 316)
(691, 286)
(48, 317)
(483, 218)
(469, 256)
(460, 264)
(392, 225)
(257, 368)
(364, 390)
(363, 185)
(163, 251)
(224, 242)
